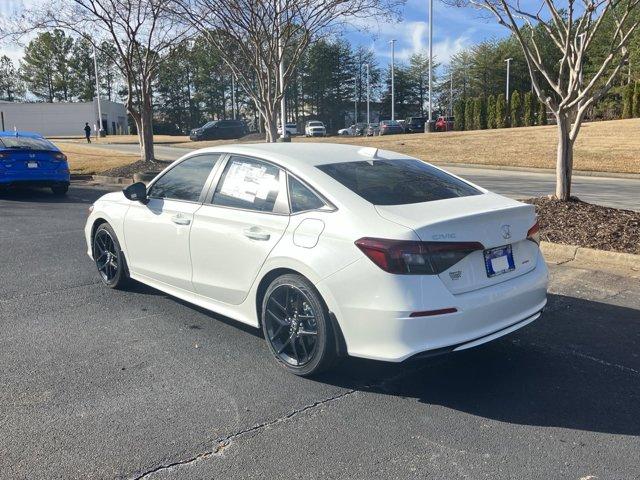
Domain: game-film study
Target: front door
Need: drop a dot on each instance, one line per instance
(233, 234)
(156, 234)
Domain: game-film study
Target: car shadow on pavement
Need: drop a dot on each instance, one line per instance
(578, 368)
(76, 194)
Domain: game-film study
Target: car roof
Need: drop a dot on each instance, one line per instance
(20, 133)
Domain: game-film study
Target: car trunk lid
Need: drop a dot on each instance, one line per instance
(490, 219)
(21, 160)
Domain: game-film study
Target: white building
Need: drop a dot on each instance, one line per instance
(63, 119)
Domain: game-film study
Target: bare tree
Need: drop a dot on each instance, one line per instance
(255, 36)
(571, 27)
(137, 32)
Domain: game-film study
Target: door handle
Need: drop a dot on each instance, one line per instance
(255, 233)
(180, 220)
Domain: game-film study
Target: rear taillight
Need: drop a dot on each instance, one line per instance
(60, 157)
(534, 233)
(415, 258)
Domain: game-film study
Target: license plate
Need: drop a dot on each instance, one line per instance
(32, 164)
(499, 260)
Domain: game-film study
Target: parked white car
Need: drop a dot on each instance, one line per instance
(330, 249)
(315, 128)
(347, 131)
(290, 128)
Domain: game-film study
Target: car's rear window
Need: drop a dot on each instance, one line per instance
(397, 182)
(27, 143)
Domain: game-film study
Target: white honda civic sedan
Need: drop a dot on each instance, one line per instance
(332, 250)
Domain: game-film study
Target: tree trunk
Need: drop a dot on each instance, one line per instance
(564, 159)
(271, 126)
(146, 133)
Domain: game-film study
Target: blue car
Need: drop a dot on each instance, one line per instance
(30, 159)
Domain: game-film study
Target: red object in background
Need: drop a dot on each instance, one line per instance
(444, 124)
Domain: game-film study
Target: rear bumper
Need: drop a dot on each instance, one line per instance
(40, 181)
(375, 315)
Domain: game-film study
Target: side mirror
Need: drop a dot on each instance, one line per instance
(136, 192)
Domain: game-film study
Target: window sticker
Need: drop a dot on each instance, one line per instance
(247, 181)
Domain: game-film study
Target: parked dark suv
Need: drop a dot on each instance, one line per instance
(415, 125)
(219, 129)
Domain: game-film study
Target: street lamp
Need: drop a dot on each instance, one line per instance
(95, 67)
(355, 99)
(393, 95)
(283, 104)
(368, 88)
(430, 59)
(508, 60)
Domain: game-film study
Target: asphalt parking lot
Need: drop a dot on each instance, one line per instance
(97, 383)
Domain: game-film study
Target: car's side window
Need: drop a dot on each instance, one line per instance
(249, 184)
(302, 198)
(186, 180)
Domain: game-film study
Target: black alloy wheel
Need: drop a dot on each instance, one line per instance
(297, 326)
(108, 257)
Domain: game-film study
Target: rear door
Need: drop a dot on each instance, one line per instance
(236, 229)
(156, 234)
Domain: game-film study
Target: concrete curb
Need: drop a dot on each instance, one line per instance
(589, 257)
(104, 179)
(576, 173)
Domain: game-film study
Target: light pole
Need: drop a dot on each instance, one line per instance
(508, 60)
(393, 94)
(283, 105)
(233, 96)
(95, 67)
(450, 92)
(430, 59)
(368, 89)
(355, 99)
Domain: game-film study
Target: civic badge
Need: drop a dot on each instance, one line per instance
(506, 231)
(32, 155)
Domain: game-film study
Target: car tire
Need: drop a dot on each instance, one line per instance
(297, 326)
(60, 189)
(109, 259)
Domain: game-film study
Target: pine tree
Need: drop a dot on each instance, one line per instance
(468, 115)
(501, 111)
(627, 101)
(481, 105)
(516, 109)
(529, 110)
(542, 113)
(491, 112)
(635, 109)
(458, 115)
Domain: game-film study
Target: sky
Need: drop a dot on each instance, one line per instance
(453, 30)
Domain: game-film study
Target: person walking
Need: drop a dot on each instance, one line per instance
(87, 132)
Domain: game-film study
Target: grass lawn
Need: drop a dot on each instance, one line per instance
(612, 146)
(89, 160)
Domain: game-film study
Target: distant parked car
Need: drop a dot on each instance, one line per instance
(373, 129)
(30, 159)
(444, 124)
(415, 125)
(290, 128)
(403, 124)
(219, 129)
(347, 131)
(315, 128)
(390, 127)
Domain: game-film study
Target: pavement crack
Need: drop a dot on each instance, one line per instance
(224, 442)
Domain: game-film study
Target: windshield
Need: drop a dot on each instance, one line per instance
(315, 124)
(208, 124)
(397, 182)
(27, 143)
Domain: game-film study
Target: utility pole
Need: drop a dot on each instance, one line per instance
(95, 67)
(283, 104)
(508, 60)
(393, 95)
(368, 89)
(450, 92)
(430, 60)
(233, 96)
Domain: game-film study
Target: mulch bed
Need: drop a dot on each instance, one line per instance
(136, 167)
(587, 225)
